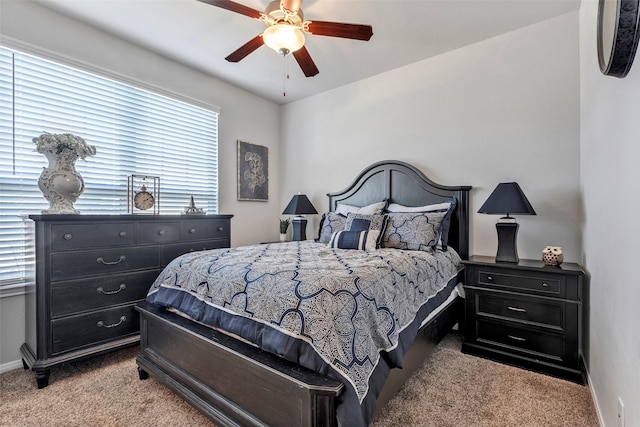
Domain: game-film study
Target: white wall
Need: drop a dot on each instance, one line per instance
(505, 109)
(610, 173)
(243, 116)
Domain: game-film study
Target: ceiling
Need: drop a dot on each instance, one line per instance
(404, 31)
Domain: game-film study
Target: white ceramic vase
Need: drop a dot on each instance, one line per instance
(283, 237)
(60, 183)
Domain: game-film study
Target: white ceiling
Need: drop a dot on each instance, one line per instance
(404, 31)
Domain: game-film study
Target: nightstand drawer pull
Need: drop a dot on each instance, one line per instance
(102, 291)
(113, 325)
(490, 278)
(122, 234)
(220, 228)
(544, 285)
(513, 337)
(520, 310)
(161, 232)
(101, 260)
(192, 230)
(68, 236)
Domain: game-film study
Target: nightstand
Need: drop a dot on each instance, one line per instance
(525, 314)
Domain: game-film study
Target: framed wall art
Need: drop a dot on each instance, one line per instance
(253, 172)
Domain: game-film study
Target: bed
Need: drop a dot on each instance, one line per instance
(234, 377)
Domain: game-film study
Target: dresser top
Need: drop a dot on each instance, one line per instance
(526, 264)
(124, 217)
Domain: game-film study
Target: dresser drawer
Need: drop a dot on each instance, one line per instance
(543, 312)
(205, 229)
(66, 237)
(537, 284)
(158, 232)
(104, 261)
(535, 343)
(75, 296)
(75, 332)
(170, 252)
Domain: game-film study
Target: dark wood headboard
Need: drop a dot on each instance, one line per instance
(399, 182)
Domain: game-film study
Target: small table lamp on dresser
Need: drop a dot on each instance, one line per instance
(507, 198)
(299, 206)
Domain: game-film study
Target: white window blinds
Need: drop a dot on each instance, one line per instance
(134, 132)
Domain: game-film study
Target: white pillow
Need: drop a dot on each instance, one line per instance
(372, 209)
(395, 207)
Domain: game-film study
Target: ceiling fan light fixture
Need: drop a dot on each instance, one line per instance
(283, 38)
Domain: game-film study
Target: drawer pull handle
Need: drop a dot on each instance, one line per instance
(113, 325)
(161, 232)
(101, 260)
(102, 291)
(122, 234)
(513, 337)
(520, 310)
(192, 230)
(544, 285)
(490, 278)
(68, 236)
(221, 228)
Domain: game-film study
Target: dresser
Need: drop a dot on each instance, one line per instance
(525, 314)
(90, 272)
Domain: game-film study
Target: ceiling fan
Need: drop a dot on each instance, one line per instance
(285, 27)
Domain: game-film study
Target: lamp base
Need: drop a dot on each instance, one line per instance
(299, 224)
(507, 246)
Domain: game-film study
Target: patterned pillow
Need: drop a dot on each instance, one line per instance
(371, 223)
(447, 207)
(361, 240)
(419, 231)
(329, 224)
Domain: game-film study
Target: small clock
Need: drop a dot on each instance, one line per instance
(144, 194)
(143, 200)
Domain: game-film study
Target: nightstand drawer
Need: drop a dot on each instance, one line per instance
(534, 284)
(539, 311)
(538, 344)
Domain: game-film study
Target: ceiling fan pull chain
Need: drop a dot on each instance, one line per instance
(285, 74)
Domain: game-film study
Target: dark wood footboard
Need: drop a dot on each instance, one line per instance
(236, 384)
(231, 382)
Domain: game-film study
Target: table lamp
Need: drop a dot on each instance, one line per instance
(507, 198)
(299, 206)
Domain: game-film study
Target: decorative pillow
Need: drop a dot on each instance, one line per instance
(361, 240)
(419, 231)
(329, 224)
(372, 209)
(448, 207)
(371, 223)
(396, 207)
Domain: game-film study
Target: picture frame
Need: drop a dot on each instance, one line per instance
(253, 172)
(618, 35)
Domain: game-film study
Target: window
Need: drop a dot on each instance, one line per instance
(134, 131)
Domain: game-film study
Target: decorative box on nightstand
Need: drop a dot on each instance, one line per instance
(525, 314)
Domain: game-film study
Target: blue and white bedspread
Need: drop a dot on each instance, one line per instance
(331, 310)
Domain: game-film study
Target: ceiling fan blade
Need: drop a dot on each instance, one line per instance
(245, 49)
(234, 7)
(305, 62)
(291, 5)
(338, 29)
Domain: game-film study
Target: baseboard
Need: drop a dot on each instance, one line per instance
(10, 366)
(594, 398)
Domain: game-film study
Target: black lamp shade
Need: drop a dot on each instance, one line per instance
(299, 205)
(507, 198)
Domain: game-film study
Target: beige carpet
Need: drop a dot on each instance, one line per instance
(452, 389)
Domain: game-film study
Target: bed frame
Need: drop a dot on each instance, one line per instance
(255, 388)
